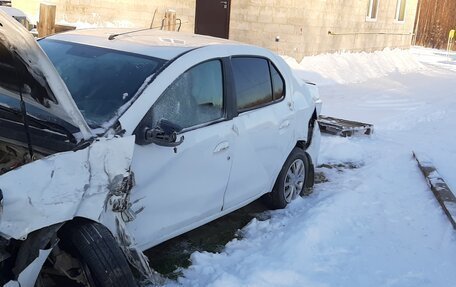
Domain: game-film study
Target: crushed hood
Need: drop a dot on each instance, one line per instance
(25, 69)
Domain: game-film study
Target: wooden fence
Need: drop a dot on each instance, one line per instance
(435, 19)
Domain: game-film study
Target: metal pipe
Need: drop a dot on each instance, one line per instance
(368, 33)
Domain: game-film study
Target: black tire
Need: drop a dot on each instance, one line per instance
(100, 255)
(277, 198)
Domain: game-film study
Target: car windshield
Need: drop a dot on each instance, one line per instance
(101, 81)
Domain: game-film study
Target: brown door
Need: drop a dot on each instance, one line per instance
(213, 18)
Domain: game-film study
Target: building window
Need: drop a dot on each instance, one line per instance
(372, 9)
(400, 10)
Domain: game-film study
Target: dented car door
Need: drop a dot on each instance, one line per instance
(179, 187)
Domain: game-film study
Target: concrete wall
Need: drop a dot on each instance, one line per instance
(114, 13)
(302, 25)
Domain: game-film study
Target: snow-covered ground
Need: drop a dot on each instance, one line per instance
(376, 225)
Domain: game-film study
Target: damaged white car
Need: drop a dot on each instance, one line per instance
(112, 142)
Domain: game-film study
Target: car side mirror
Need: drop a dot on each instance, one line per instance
(164, 134)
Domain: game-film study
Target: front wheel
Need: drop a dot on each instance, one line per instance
(291, 181)
(90, 255)
(102, 259)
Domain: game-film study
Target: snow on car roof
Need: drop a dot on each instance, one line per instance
(156, 43)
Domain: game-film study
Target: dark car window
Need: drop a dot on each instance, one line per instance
(14, 104)
(252, 82)
(195, 98)
(278, 84)
(100, 80)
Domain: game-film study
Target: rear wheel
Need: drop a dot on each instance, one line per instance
(291, 181)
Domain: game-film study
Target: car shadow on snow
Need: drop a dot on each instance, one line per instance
(172, 256)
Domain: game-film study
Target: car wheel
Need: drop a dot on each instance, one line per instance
(291, 181)
(102, 260)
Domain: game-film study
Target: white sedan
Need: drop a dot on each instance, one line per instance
(112, 142)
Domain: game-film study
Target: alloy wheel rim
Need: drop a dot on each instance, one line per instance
(294, 180)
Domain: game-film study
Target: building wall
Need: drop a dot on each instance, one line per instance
(302, 25)
(436, 19)
(114, 13)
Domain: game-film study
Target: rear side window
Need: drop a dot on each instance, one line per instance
(278, 84)
(252, 82)
(257, 82)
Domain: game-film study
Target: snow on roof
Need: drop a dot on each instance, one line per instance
(156, 43)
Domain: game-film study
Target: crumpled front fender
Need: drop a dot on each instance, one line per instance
(63, 186)
(93, 183)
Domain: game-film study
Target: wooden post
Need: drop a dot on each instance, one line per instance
(170, 20)
(165, 21)
(46, 26)
(172, 26)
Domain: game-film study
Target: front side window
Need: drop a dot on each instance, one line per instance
(400, 10)
(372, 9)
(195, 98)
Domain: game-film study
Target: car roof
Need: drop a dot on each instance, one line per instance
(150, 42)
(13, 11)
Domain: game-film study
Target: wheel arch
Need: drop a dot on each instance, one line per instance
(28, 250)
(304, 145)
(33, 251)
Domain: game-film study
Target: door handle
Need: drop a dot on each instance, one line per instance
(284, 125)
(222, 147)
